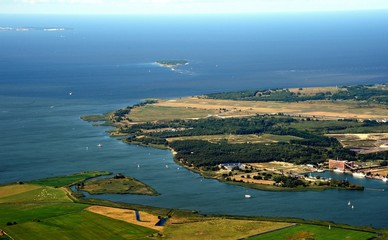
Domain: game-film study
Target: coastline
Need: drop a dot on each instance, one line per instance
(123, 124)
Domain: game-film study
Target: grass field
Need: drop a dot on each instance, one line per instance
(219, 229)
(153, 113)
(28, 212)
(324, 109)
(32, 193)
(39, 212)
(62, 181)
(78, 225)
(305, 231)
(235, 139)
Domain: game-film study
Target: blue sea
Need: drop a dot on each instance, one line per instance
(48, 79)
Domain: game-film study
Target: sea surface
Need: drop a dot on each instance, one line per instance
(48, 79)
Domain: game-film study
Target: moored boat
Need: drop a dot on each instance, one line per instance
(358, 174)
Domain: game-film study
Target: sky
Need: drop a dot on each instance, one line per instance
(184, 6)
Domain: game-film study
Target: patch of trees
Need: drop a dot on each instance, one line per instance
(359, 93)
(148, 140)
(290, 182)
(374, 156)
(283, 95)
(204, 153)
(213, 126)
(362, 92)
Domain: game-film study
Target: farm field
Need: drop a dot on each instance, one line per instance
(30, 211)
(78, 225)
(367, 143)
(305, 231)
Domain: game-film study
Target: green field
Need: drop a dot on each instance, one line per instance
(78, 225)
(39, 212)
(43, 194)
(156, 113)
(28, 212)
(62, 181)
(305, 231)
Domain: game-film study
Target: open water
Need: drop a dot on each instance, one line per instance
(106, 62)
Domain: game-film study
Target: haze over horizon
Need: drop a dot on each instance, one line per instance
(185, 6)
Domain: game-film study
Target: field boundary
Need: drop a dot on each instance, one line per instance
(296, 224)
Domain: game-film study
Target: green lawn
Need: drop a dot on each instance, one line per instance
(69, 179)
(305, 231)
(79, 225)
(41, 194)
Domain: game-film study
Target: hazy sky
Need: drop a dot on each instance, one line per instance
(184, 6)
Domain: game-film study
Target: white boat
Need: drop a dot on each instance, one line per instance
(358, 174)
(247, 196)
(337, 170)
(99, 145)
(385, 179)
(349, 203)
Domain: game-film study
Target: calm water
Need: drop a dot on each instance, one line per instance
(106, 62)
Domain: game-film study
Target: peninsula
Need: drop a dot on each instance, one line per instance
(235, 138)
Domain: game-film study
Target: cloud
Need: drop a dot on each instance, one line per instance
(186, 6)
(63, 1)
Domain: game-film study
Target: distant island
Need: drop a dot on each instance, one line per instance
(172, 63)
(22, 29)
(236, 139)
